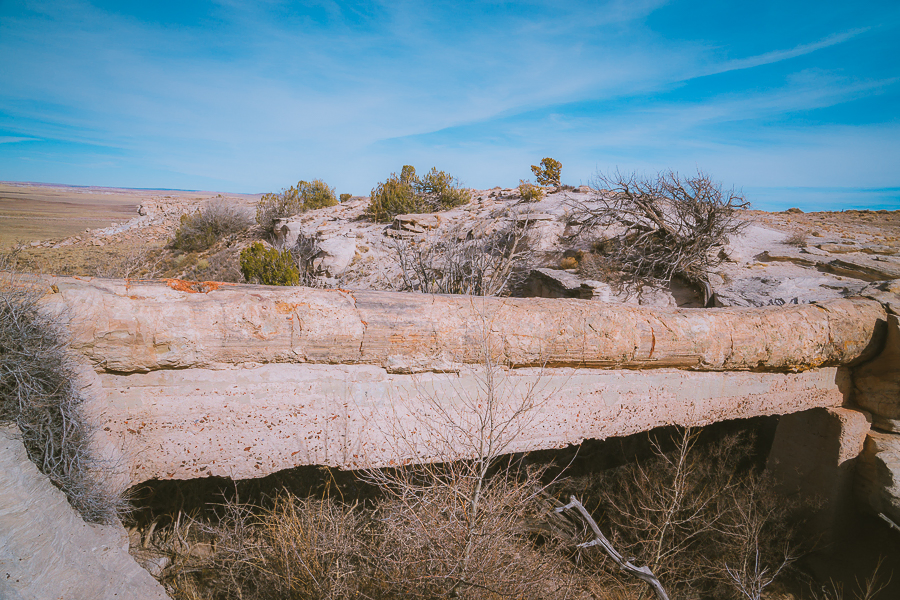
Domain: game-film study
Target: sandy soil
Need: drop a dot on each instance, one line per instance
(36, 212)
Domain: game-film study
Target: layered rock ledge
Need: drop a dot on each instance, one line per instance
(205, 379)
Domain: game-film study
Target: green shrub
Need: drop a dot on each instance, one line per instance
(304, 196)
(548, 173)
(269, 266)
(529, 191)
(345, 197)
(407, 193)
(201, 230)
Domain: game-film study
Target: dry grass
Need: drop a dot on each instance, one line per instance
(40, 394)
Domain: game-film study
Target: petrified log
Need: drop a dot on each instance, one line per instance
(140, 326)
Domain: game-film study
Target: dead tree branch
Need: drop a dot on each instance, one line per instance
(642, 573)
(663, 227)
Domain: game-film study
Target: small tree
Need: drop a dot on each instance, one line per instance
(453, 528)
(549, 173)
(306, 195)
(408, 193)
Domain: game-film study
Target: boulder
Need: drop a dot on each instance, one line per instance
(334, 256)
(417, 223)
(814, 454)
(48, 551)
(878, 474)
(877, 382)
(287, 232)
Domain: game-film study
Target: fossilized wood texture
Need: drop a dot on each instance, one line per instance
(249, 422)
(243, 381)
(144, 326)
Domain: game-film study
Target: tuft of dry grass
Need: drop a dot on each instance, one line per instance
(39, 393)
(797, 239)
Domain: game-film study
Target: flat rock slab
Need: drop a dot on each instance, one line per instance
(250, 422)
(48, 552)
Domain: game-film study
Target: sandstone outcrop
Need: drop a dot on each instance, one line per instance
(47, 551)
(878, 474)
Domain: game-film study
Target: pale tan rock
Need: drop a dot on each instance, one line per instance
(253, 421)
(814, 455)
(417, 222)
(142, 326)
(47, 551)
(877, 382)
(878, 474)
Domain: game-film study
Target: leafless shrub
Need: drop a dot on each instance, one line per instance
(755, 541)
(453, 527)
(136, 261)
(304, 250)
(459, 262)
(798, 239)
(39, 393)
(670, 510)
(201, 230)
(868, 589)
(224, 266)
(663, 227)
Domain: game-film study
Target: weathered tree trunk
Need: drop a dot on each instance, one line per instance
(143, 326)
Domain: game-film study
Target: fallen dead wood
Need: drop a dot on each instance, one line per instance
(642, 573)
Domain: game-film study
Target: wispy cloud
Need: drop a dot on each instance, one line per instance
(775, 56)
(251, 96)
(9, 139)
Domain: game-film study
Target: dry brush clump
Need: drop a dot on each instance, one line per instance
(202, 229)
(704, 521)
(305, 196)
(39, 393)
(491, 263)
(663, 227)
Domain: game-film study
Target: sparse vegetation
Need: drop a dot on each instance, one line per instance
(306, 195)
(548, 173)
(661, 227)
(201, 230)
(408, 193)
(530, 192)
(798, 239)
(40, 394)
(492, 264)
(669, 510)
(345, 197)
(268, 266)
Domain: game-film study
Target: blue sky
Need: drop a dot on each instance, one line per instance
(796, 103)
